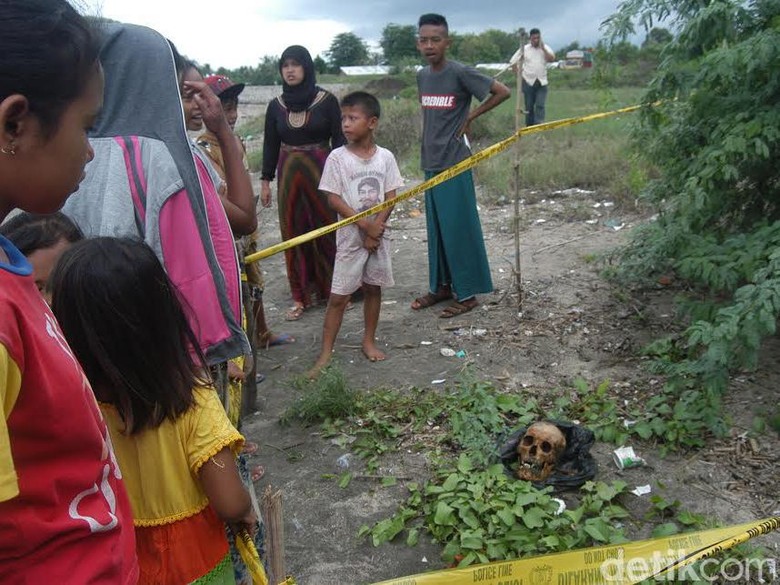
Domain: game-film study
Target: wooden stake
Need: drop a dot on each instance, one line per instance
(274, 525)
(517, 271)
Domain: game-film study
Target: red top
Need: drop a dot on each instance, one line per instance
(64, 514)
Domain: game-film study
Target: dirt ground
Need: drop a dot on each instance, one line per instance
(571, 326)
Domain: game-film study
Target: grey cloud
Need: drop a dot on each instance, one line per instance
(561, 21)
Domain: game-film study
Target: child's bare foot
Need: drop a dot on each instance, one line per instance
(372, 352)
(316, 369)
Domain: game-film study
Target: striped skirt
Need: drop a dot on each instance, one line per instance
(301, 209)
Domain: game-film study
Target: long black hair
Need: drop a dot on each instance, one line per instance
(30, 232)
(121, 315)
(48, 53)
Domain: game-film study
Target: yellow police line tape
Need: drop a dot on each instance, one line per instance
(666, 558)
(445, 175)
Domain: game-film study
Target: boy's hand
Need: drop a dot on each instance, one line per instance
(375, 229)
(371, 244)
(465, 128)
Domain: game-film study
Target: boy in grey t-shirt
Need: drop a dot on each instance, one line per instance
(457, 261)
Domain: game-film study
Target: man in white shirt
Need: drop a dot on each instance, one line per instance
(536, 55)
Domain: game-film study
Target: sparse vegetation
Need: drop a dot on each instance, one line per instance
(470, 504)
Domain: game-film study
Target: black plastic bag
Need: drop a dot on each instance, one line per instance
(575, 466)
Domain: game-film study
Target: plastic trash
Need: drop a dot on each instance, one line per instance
(561, 506)
(344, 461)
(625, 458)
(447, 352)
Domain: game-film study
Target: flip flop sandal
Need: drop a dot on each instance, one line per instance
(273, 340)
(430, 299)
(456, 309)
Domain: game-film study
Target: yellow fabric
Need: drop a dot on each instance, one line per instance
(250, 556)
(160, 466)
(10, 384)
(235, 391)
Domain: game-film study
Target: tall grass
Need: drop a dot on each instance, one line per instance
(595, 155)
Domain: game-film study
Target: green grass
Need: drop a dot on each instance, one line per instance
(251, 127)
(594, 155)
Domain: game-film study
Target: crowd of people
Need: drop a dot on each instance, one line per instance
(129, 321)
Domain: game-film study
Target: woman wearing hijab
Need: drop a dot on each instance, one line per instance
(144, 182)
(302, 126)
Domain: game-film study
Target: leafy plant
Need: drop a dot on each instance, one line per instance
(480, 515)
(715, 140)
(327, 397)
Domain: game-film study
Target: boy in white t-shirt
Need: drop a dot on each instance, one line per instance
(356, 177)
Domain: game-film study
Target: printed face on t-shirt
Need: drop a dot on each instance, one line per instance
(368, 192)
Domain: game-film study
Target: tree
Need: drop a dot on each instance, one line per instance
(658, 36)
(715, 139)
(320, 65)
(506, 43)
(657, 40)
(347, 49)
(624, 52)
(572, 46)
(266, 72)
(398, 42)
(473, 49)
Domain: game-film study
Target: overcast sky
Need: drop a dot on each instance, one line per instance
(231, 33)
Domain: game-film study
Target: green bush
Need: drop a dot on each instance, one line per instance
(327, 397)
(400, 127)
(715, 140)
(255, 160)
(251, 127)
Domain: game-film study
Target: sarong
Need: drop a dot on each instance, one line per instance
(456, 248)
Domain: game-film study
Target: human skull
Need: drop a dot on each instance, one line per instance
(538, 451)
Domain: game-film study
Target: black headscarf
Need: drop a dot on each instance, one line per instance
(299, 97)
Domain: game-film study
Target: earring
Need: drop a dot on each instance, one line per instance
(10, 149)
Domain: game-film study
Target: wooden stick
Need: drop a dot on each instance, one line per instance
(516, 271)
(274, 524)
(551, 246)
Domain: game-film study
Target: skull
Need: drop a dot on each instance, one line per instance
(538, 451)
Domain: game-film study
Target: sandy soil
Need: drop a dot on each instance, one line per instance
(570, 326)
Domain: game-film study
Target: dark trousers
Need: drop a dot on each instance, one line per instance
(535, 96)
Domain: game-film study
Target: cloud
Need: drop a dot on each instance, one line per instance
(231, 33)
(561, 21)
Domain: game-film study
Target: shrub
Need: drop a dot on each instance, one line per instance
(716, 141)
